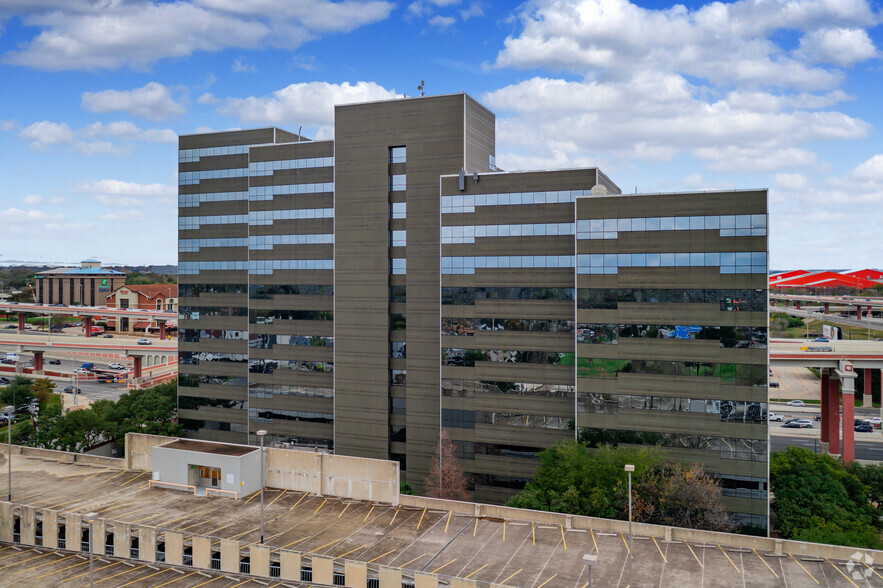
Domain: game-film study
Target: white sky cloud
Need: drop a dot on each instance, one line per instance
(442, 22)
(32, 199)
(110, 35)
(116, 138)
(45, 133)
(126, 189)
(241, 66)
(153, 101)
(843, 47)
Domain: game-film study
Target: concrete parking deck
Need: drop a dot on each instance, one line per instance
(445, 543)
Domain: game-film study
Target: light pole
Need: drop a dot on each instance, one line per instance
(630, 468)
(89, 517)
(261, 434)
(590, 561)
(10, 415)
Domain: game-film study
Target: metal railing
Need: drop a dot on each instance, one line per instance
(244, 567)
(275, 569)
(235, 495)
(338, 579)
(306, 574)
(215, 562)
(187, 559)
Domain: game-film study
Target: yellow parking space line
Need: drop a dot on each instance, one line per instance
(145, 577)
(16, 553)
(563, 539)
(320, 506)
(450, 513)
(252, 497)
(803, 568)
(728, 558)
(60, 504)
(26, 560)
(352, 551)
(43, 565)
(212, 532)
(104, 511)
(841, 573)
(233, 586)
(504, 531)
(533, 533)
(82, 563)
(296, 542)
(115, 475)
(344, 509)
(413, 560)
(422, 514)
(95, 474)
(395, 514)
(478, 570)
(443, 566)
(298, 502)
(176, 579)
(96, 569)
(595, 543)
(133, 479)
(129, 571)
(369, 513)
(475, 528)
(156, 514)
(326, 545)
(518, 571)
(766, 564)
(209, 582)
(379, 556)
(277, 498)
(196, 524)
(660, 550)
(627, 548)
(547, 581)
(694, 555)
(873, 570)
(244, 533)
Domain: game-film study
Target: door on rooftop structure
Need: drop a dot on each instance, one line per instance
(209, 476)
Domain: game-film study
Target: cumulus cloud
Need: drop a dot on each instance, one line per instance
(126, 215)
(82, 35)
(153, 101)
(442, 22)
(45, 133)
(843, 47)
(126, 189)
(872, 169)
(723, 43)
(308, 104)
(15, 217)
(8, 125)
(116, 138)
(240, 66)
(32, 199)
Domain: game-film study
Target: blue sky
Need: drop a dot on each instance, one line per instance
(778, 94)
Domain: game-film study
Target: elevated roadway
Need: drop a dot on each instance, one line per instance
(89, 314)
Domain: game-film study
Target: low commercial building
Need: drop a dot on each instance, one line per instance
(142, 297)
(87, 285)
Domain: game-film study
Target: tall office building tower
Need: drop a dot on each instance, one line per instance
(365, 293)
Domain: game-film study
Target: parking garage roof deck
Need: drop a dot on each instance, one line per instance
(488, 550)
(210, 447)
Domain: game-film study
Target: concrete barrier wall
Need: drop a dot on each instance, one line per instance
(139, 449)
(28, 524)
(63, 456)
(50, 529)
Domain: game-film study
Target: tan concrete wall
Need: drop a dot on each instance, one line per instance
(122, 539)
(27, 524)
(50, 529)
(174, 548)
(64, 457)
(356, 573)
(461, 583)
(73, 531)
(424, 580)
(289, 563)
(390, 577)
(202, 552)
(138, 450)
(259, 556)
(99, 529)
(294, 470)
(6, 521)
(363, 479)
(147, 544)
(229, 556)
(323, 570)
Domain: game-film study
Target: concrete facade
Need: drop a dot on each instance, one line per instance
(87, 285)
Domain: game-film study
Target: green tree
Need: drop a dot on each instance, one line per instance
(17, 393)
(818, 499)
(151, 410)
(42, 389)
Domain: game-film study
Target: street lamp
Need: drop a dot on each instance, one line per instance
(630, 468)
(89, 517)
(10, 415)
(590, 561)
(261, 434)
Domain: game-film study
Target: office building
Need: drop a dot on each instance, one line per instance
(87, 285)
(360, 294)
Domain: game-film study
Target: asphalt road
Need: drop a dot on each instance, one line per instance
(868, 450)
(90, 389)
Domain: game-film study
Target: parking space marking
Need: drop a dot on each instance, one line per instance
(660, 550)
(412, 560)
(97, 570)
(43, 565)
(209, 582)
(841, 572)
(369, 513)
(395, 515)
(475, 528)
(196, 524)
(728, 558)
(298, 502)
(873, 570)
(547, 581)
(133, 479)
(766, 564)
(238, 535)
(504, 531)
(296, 542)
(352, 550)
(595, 543)
(443, 566)
(450, 513)
(114, 476)
(145, 577)
(326, 545)
(804, 569)
(252, 497)
(379, 556)
(320, 506)
(476, 571)
(121, 573)
(26, 560)
(16, 553)
(629, 550)
(344, 509)
(422, 514)
(176, 579)
(697, 559)
(82, 563)
(518, 571)
(563, 540)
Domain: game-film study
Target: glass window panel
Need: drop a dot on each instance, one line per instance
(682, 223)
(639, 260)
(667, 223)
(682, 259)
(624, 260)
(697, 222)
(712, 259)
(653, 260)
(667, 259)
(610, 224)
(712, 222)
(624, 224)
(743, 221)
(758, 221)
(652, 224)
(639, 224)
(697, 259)
(728, 222)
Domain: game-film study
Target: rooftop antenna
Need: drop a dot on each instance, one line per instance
(299, 129)
(421, 88)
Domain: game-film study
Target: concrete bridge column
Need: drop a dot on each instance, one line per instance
(834, 415)
(847, 377)
(162, 330)
(798, 305)
(136, 365)
(858, 313)
(867, 398)
(38, 361)
(87, 326)
(827, 307)
(825, 414)
(21, 321)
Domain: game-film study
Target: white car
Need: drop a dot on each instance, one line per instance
(776, 417)
(81, 371)
(144, 341)
(875, 422)
(796, 403)
(117, 366)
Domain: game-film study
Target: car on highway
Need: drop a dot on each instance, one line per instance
(11, 326)
(81, 371)
(70, 389)
(108, 336)
(774, 384)
(776, 417)
(117, 366)
(875, 422)
(144, 341)
(798, 424)
(792, 425)
(5, 381)
(53, 361)
(864, 428)
(796, 402)
(821, 340)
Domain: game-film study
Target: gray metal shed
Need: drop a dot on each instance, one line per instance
(208, 467)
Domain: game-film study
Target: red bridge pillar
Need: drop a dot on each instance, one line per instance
(87, 325)
(798, 305)
(38, 361)
(867, 398)
(136, 365)
(825, 414)
(162, 330)
(858, 313)
(834, 415)
(827, 307)
(848, 426)
(21, 321)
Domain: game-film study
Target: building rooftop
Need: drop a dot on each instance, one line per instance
(210, 447)
(528, 551)
(81, 270)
